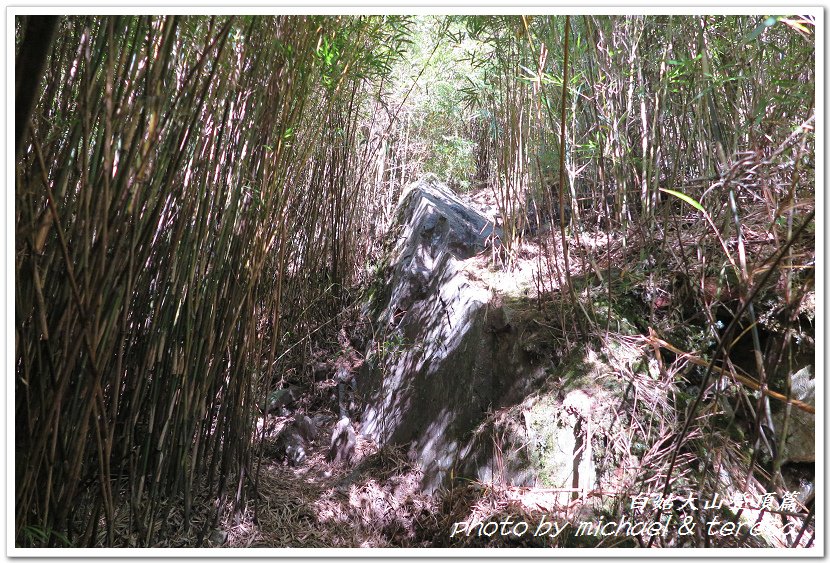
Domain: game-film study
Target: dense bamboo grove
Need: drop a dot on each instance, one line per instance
(189, 184)
(196, 195)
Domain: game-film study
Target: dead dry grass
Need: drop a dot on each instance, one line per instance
(372, 502)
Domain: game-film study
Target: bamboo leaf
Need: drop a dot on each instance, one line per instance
(691, 201)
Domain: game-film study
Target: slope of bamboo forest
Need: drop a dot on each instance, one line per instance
(201, 211)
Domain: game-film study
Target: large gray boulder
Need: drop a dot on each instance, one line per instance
(438, 365)
(462, 371)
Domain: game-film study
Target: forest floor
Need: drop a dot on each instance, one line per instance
(375, 500)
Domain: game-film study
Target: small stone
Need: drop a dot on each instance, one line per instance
(280, 398)
(801, 427)
(305, 427)
(343, 440)
(291, 447)
(218, 537)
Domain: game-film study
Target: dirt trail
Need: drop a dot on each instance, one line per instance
(371, 502)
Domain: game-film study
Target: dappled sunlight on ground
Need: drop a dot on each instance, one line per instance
(372, 502)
